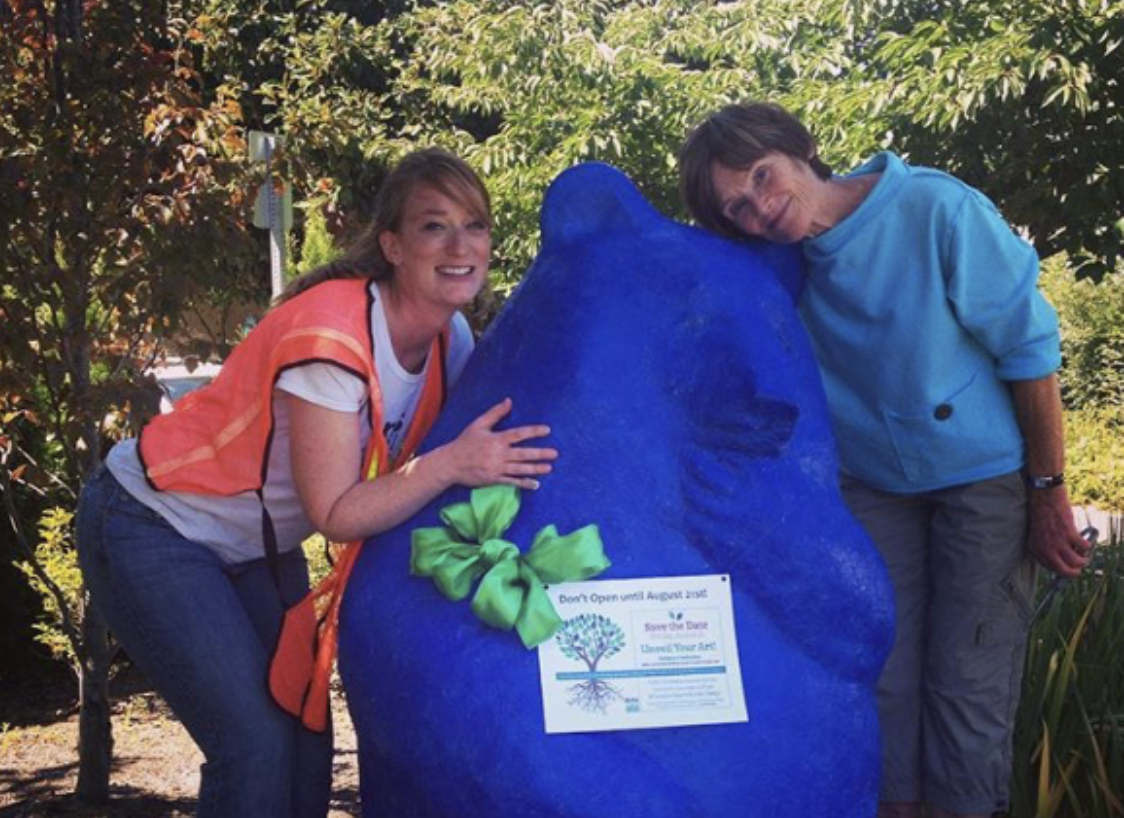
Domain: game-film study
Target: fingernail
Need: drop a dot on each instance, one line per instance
(533, 484)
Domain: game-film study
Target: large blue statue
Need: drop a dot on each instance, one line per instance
(692, 429)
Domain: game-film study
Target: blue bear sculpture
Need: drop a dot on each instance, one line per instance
(688, 412)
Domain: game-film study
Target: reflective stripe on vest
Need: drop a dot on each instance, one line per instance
(216, 440)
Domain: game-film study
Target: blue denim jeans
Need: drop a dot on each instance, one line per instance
(203, 632)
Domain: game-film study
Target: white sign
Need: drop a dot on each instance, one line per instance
(263, 145)
(640, 653)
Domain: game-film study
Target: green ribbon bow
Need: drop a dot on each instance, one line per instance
(511, 592)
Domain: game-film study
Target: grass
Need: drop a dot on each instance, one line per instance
(1069, 736)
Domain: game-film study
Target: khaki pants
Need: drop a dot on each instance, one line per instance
(964, 588)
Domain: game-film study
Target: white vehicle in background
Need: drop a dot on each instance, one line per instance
(177, 377)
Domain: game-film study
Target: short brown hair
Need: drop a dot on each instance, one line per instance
(445, 172)
(737, 136)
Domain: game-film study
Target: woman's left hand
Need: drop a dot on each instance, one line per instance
(1053, 539)
(344, 507)
(482, 456)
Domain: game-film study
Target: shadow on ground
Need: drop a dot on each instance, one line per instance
(125, 802)
(155, 765)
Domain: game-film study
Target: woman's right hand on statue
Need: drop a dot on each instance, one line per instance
(482, 456)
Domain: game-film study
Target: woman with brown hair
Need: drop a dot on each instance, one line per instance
(189, 537)
(938, 356)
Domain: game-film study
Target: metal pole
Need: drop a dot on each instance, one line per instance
(276, 231)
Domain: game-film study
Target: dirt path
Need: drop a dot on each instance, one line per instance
(156, 765)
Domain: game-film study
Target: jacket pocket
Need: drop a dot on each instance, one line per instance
(971, 427)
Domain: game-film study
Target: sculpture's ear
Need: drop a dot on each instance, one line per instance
(592, 198)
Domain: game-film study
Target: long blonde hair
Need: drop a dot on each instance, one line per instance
(444, 171)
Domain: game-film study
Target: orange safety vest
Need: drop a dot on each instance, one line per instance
(216, 441)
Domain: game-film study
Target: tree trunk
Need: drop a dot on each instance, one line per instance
(95, 731)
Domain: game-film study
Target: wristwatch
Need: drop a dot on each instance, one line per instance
(1045, 482)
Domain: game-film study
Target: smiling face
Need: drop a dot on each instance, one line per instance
(778, 198)
(439, 251)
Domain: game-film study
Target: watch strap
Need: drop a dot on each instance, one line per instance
(1048, 481)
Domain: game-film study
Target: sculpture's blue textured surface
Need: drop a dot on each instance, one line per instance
(688, 411)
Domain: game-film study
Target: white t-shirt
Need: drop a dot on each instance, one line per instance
(232, 526)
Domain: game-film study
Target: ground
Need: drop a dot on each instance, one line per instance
(156, 765)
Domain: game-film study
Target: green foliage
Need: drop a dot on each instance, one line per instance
(123, 196)
(57, 558)
(317, 246)
(316, 553)
(525, 90)
(314, 71)
(1095, 457)
(1020, 99)
(121, 185)
(1069, 737)
(1069, 741)
(1091, 317)
(1092, 325)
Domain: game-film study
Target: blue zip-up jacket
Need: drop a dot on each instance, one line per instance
(921, 305)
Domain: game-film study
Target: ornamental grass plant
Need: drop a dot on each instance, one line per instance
(1069, 734)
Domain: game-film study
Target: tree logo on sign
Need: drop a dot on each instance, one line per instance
(589, 638)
